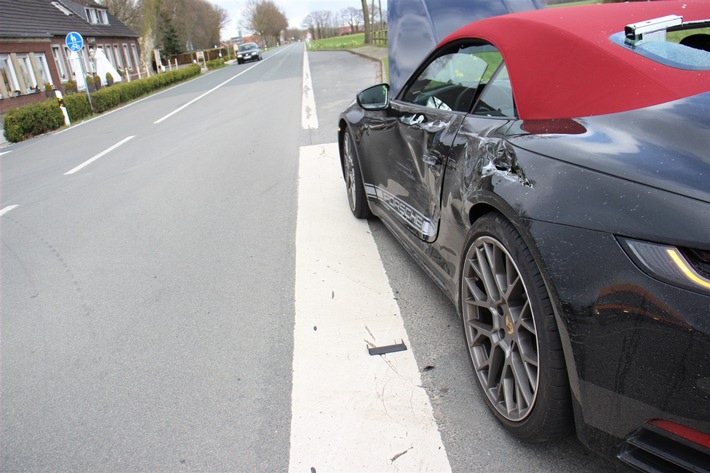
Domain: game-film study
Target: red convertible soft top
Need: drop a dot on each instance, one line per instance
(562, 63)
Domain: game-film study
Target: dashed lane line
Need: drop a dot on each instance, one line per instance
(101, 154)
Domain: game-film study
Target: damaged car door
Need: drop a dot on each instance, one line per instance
(408, 150)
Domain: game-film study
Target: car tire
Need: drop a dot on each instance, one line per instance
(512, 335)
(357, 199)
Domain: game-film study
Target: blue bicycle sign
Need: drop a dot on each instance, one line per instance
(74, 41)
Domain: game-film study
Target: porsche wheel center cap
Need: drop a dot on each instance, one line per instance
(509, 325)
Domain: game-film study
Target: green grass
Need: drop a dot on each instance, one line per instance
(676, 36)
(339, 42)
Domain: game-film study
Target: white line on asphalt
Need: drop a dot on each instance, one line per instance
(7, 209)
(104, 152)
(215, 88)
(309, 118)
(5, 152)
(350, 411)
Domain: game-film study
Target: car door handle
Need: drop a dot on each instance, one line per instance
(412, 120)
(433, 127)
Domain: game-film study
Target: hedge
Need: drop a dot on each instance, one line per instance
(31, 120)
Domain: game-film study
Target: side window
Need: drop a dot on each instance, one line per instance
(496, 100)
(453, 80)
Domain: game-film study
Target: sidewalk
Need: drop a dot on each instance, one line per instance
(375, 53)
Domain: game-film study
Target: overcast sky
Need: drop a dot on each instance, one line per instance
(295, 10)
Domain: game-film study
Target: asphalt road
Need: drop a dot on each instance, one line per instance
(147, 301)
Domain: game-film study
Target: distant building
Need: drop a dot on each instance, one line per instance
(33, 51)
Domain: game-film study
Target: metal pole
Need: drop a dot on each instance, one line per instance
(81, 69)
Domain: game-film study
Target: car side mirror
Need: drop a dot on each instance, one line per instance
(376, 97)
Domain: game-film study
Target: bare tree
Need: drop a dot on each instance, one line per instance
(151, 14)
(352, 17)
(130, 12)
(322, 22)
(198, 22)
(264, 18)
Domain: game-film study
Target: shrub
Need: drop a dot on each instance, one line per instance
(77, 106)
(215, 64)
(35, 119)
(70, 87)
(25, 122)
(105, 99)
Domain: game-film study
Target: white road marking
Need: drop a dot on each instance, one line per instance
(309, 117)
(214, 88)
(103, 153)
(5, 152)
(350, 411)
(7, 209)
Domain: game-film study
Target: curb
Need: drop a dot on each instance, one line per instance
(381, 74)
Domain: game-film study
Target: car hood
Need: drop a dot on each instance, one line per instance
(666, 146)
(415, 27)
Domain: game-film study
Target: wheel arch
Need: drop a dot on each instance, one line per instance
(342, 128)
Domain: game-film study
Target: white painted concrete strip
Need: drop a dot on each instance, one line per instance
(103, 153)
(7, 209)
(350, 411)
(309, 118)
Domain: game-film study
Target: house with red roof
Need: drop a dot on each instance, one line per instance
(33, 52)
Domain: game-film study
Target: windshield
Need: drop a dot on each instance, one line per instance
(247, 47)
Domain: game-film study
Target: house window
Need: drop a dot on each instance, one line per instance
(59, 62)
(28, 75)
(43, 68)
(119, 60)
(9, 77)
(96, 16)
(127, 55)
(91, 15)
(109, 54)
(136, 60)
(70, 66)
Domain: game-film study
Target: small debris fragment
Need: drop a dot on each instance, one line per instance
(400, 454)
(315, 328)
(387, 349)
(428, 368)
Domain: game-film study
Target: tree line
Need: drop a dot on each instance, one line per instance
(325, 23)
(177, 26)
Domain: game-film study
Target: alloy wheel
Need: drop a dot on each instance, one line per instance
(500, 328)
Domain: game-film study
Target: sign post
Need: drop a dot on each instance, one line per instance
(75, 43)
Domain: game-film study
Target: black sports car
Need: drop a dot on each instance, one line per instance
(550, 170)
(248, 52)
